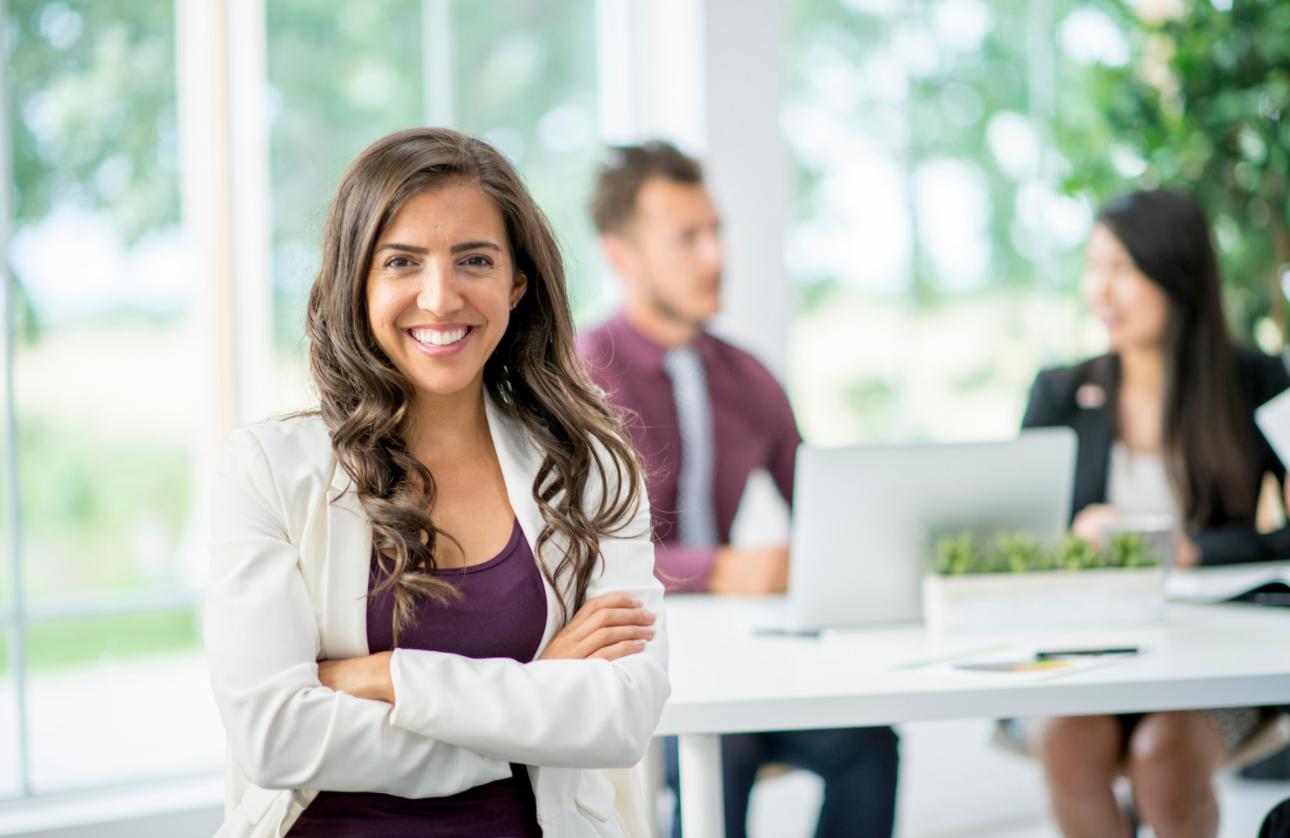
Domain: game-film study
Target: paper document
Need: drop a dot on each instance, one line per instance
(1219, 584)
(1273, 418)
(1016, 664)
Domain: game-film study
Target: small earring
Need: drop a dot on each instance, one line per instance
(514, 304)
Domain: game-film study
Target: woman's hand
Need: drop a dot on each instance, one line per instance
(367, 677)
(1186, 552)
(609, 627)
(1092, 519)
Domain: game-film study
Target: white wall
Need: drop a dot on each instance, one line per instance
(749, 170)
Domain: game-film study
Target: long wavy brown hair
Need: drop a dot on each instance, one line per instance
(535, 376)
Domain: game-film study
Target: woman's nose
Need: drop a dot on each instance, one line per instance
(1096, 288)
(438, 293)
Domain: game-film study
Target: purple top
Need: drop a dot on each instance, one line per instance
(751, 420)
(501, 613)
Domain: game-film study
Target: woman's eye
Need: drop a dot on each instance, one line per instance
(477, 261)
(398, 262)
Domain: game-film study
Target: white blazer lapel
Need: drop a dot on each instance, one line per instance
(343, 578)
(520, 460)
(345, 551)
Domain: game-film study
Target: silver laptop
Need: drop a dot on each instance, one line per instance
(863, 517)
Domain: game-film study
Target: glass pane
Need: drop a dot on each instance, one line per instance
(146, 674)
(346, 72)
(931, 249)
(529, 87)
(10, 782)
(97, 639)
(107, 374)
(343, 73)
(104, 368)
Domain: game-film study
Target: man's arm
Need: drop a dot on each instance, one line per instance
(721, 570)
(787, 439)
(683, 569)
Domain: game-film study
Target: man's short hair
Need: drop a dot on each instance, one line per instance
(623, 173)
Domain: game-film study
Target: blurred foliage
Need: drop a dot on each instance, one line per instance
(898, 76)
(872, 402)
(1015, 553)
(98, 514)
(1195, 102)
(1060, 107)
(1201, 105)
(89, 639)
(1074, 553)
(92, 104)
(529, 86)
(1129, 549)
(956, 555)
(93, 99)
(1018, 552)
(344, 73)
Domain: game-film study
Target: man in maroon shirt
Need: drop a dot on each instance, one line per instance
(706, 415)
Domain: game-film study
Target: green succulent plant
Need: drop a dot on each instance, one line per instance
(1019, 552)
(1016, 552)
(1075, 553)
(1130, 549)
(956, 554)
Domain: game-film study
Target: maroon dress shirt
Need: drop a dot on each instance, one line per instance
(752, 424)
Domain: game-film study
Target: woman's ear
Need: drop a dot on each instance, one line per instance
(520, 287)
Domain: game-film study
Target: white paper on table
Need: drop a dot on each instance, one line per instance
(1207, 585)
(1273, 418)
(1077, 663)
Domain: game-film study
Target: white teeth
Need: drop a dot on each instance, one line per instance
(433, 337)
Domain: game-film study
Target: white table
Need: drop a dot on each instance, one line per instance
(726, 679)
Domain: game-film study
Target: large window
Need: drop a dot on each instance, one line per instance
(102, 678)
(932, 247)
(103, 381)
(346, 72)
(951, 155)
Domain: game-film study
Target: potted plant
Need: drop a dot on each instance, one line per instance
(1010, 581)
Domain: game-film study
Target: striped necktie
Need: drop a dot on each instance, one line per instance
(697, 521)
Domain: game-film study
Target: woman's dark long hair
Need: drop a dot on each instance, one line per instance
(1205, 432)
(534, 376)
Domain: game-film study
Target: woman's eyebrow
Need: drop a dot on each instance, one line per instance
(458, 248)
(407, 247)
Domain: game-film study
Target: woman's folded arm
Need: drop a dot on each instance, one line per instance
(575, 713)
(285, 729)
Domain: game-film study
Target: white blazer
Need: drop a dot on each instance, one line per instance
(288, 587)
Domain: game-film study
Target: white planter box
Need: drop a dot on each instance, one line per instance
(1044, 599)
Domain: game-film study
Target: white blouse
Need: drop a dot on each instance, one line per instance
(1138, 484)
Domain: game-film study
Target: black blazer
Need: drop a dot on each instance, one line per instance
(1082, 397)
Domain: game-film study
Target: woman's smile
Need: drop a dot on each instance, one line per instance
(440, 341)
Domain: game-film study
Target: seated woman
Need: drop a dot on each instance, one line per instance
(1165, 425)
(432, 605)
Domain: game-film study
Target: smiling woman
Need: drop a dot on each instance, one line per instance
(442, 286)
(431, 606)
(1165, 426)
